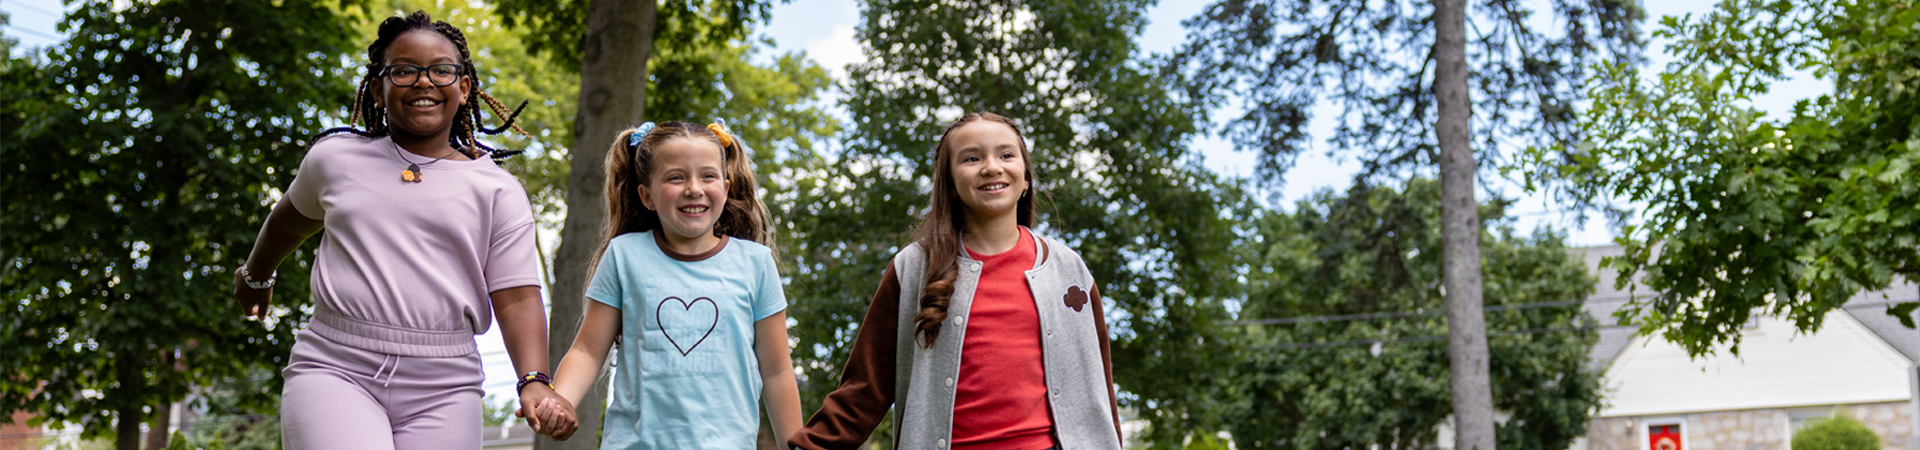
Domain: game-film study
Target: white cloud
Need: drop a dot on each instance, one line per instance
(839, 49)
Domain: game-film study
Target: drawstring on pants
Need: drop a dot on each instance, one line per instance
(385, 362)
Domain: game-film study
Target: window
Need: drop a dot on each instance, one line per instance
(1798, 419)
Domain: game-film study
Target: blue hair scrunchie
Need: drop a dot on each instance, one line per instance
(639, 133)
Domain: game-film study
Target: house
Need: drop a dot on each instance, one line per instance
(15, 433)
(1862, 362)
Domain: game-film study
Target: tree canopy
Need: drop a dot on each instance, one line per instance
(1744, 213)
(1275, 60)
(1313, 375)
(140, 157)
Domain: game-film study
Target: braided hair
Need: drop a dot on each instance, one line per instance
(367, 113)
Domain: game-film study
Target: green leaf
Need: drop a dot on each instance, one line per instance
(1904, 312)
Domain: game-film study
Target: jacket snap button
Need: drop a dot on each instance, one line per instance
(1056, 392)
(973, 267)
(959, 320)
(949, 381)
(941, 443)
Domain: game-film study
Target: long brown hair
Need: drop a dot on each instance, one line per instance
(939, 233)
(631, 166)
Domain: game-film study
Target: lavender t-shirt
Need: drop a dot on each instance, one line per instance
(419, 257)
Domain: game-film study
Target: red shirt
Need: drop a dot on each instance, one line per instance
(1000, 400)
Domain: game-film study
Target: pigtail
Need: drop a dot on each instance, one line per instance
(745, 216)
(627, 165)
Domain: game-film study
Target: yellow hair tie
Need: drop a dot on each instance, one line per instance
(726, 140)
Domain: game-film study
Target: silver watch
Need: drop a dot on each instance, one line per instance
(256, 285)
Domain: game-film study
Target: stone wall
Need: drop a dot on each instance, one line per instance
(1754, 429)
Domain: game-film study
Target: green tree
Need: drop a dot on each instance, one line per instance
(7, 42)
(139, 158)
(1109, 148)
(1746, 214)
(1275, 60)
(1382, 381)
(1835, 433)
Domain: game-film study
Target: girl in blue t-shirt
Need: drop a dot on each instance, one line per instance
(687, 284)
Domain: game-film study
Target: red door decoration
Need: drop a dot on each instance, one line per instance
(1663, 437)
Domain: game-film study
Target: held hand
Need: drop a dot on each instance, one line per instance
(253, 302)
(547, 412)
(559, 417)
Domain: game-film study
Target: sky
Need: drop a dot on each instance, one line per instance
(824, 29)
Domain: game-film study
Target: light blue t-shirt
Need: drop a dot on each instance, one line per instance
(688, 377)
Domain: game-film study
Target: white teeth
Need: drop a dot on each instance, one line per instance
(424, 102)
(694, 209)
(994, 186)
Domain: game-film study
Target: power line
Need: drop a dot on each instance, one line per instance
(1396, 314)
(37, 9)
(1305, 345)
(31, 31)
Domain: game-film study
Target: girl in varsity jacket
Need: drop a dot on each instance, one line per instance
(983, 334)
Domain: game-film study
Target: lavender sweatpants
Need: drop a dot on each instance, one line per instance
(342, 397)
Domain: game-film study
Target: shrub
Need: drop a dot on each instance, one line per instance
(1836, 433)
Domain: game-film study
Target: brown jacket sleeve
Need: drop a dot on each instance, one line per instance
(848, 416)
(1106, 356)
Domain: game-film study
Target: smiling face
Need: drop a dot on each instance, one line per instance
(687, 187)
(989, 169)
(422, 110)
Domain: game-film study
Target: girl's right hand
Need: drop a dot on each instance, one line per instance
(561, 422)
(556, 419)
(253, 302)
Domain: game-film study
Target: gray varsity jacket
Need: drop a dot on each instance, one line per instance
(887, 368)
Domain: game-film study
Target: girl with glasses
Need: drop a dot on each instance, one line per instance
(428, 242)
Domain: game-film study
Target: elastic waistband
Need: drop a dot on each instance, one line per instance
(389, 339)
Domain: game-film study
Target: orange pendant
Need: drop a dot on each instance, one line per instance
(411, 175)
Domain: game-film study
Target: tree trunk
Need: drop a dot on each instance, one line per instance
(613, 83)
(157, 434)
(126, 428)
(1460, 230)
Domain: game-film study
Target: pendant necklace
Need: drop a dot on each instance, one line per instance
(412, 174)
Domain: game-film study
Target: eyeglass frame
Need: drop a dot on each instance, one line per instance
(387, 73)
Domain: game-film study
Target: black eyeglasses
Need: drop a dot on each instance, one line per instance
(408, 75)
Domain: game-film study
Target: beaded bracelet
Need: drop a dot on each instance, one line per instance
(533, 377)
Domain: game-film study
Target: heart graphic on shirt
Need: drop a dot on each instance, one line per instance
(680, 315)
(1075, 298)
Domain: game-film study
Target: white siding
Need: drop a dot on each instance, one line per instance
(1842, 363)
